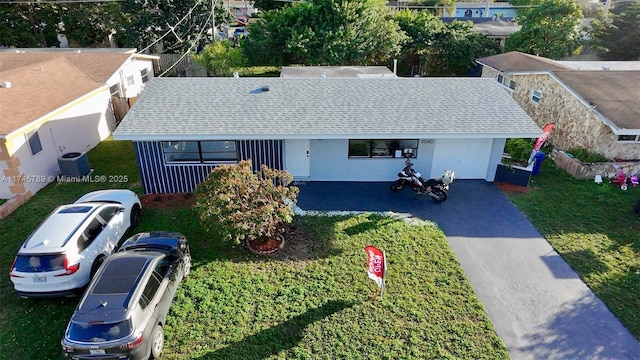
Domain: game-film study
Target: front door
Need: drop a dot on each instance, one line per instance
(297, 160)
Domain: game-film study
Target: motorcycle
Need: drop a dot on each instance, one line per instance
(435, 188)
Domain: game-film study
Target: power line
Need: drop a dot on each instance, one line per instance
(193, 44)
(171, 28)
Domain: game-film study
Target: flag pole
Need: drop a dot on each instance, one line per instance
(384, 272)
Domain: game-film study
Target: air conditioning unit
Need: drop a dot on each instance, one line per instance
(74, 164)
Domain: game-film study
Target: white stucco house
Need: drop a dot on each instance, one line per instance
(320, 129)
(57, 102)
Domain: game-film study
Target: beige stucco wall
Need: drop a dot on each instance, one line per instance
(577, 124)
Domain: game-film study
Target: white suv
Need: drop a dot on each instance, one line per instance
(64, 252)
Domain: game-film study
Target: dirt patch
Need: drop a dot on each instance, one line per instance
(168, 201)
(511, 189)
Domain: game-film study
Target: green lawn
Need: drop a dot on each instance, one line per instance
(313, 300)
(595, 230)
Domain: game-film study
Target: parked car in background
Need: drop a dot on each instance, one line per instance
(123, 312)
(65, 251)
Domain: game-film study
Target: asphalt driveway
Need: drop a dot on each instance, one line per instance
(537, 303)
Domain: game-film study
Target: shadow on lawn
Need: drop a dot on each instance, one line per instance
(279, 338)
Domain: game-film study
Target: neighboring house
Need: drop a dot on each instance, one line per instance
(332, 129)
(241, 8)
(336, 71)
(597, 110)
(54, 103)
(486, 9)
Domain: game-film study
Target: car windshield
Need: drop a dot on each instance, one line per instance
(94, 332)
(39, 263)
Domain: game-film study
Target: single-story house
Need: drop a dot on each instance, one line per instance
(331, 129)
(594, 105)
(53, 103)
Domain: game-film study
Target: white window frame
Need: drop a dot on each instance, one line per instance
(629, 141)
(131, 81)
(506, 82)
(536, 95)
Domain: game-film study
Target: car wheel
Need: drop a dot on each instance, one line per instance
(157, 342)
(136, 215)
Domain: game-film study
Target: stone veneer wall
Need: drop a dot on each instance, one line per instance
(580, 170)
(577, 125)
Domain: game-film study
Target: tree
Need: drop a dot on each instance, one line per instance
(245, 206)
(551, 29)
(617, 36)
(324, 32)
(180, 20)
(220, 58)
(436, 48)
(91, 24)
(266, 5)
(29, 25)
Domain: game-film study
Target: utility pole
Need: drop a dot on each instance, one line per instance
(213, 21)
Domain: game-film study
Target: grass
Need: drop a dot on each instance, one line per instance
(313, 300)
(595, 230)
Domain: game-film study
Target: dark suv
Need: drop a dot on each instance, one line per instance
(123, 311)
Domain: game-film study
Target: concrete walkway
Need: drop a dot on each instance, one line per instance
(537, 303)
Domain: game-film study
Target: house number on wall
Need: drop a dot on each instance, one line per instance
(426, 141)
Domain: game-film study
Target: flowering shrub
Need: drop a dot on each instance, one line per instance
(245, 206)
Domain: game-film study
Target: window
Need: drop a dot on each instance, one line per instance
(90, 233)
(506, 82)
(629, 138)
(34, 142)
(387, 148)
(144, 74)
(108, 213)
(130, 80)
(535, 96)
(215, 151)
(152, 286)
(115, 90)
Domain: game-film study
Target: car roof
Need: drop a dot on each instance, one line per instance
(114, 195)
(154, 240)
(108, 295)
(58, 228)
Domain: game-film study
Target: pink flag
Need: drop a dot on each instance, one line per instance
(376, 265)
(546, 130)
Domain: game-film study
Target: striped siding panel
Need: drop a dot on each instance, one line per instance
(158, 177)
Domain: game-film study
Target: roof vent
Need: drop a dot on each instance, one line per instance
(78, 51)
(236, 74)
(5, 84)
(323, 75)
(605, 68)
(260, 90)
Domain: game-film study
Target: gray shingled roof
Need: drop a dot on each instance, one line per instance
(235, 108)
(516, 61)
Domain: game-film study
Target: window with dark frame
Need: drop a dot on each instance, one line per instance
(144, 74)
(629, 138)
(34, 142)
(210, 151)
(381, 148)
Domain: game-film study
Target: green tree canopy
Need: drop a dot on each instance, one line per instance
(435, 48)
(551, 29)
(324, 32)
(220, 58)
(617, 36)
